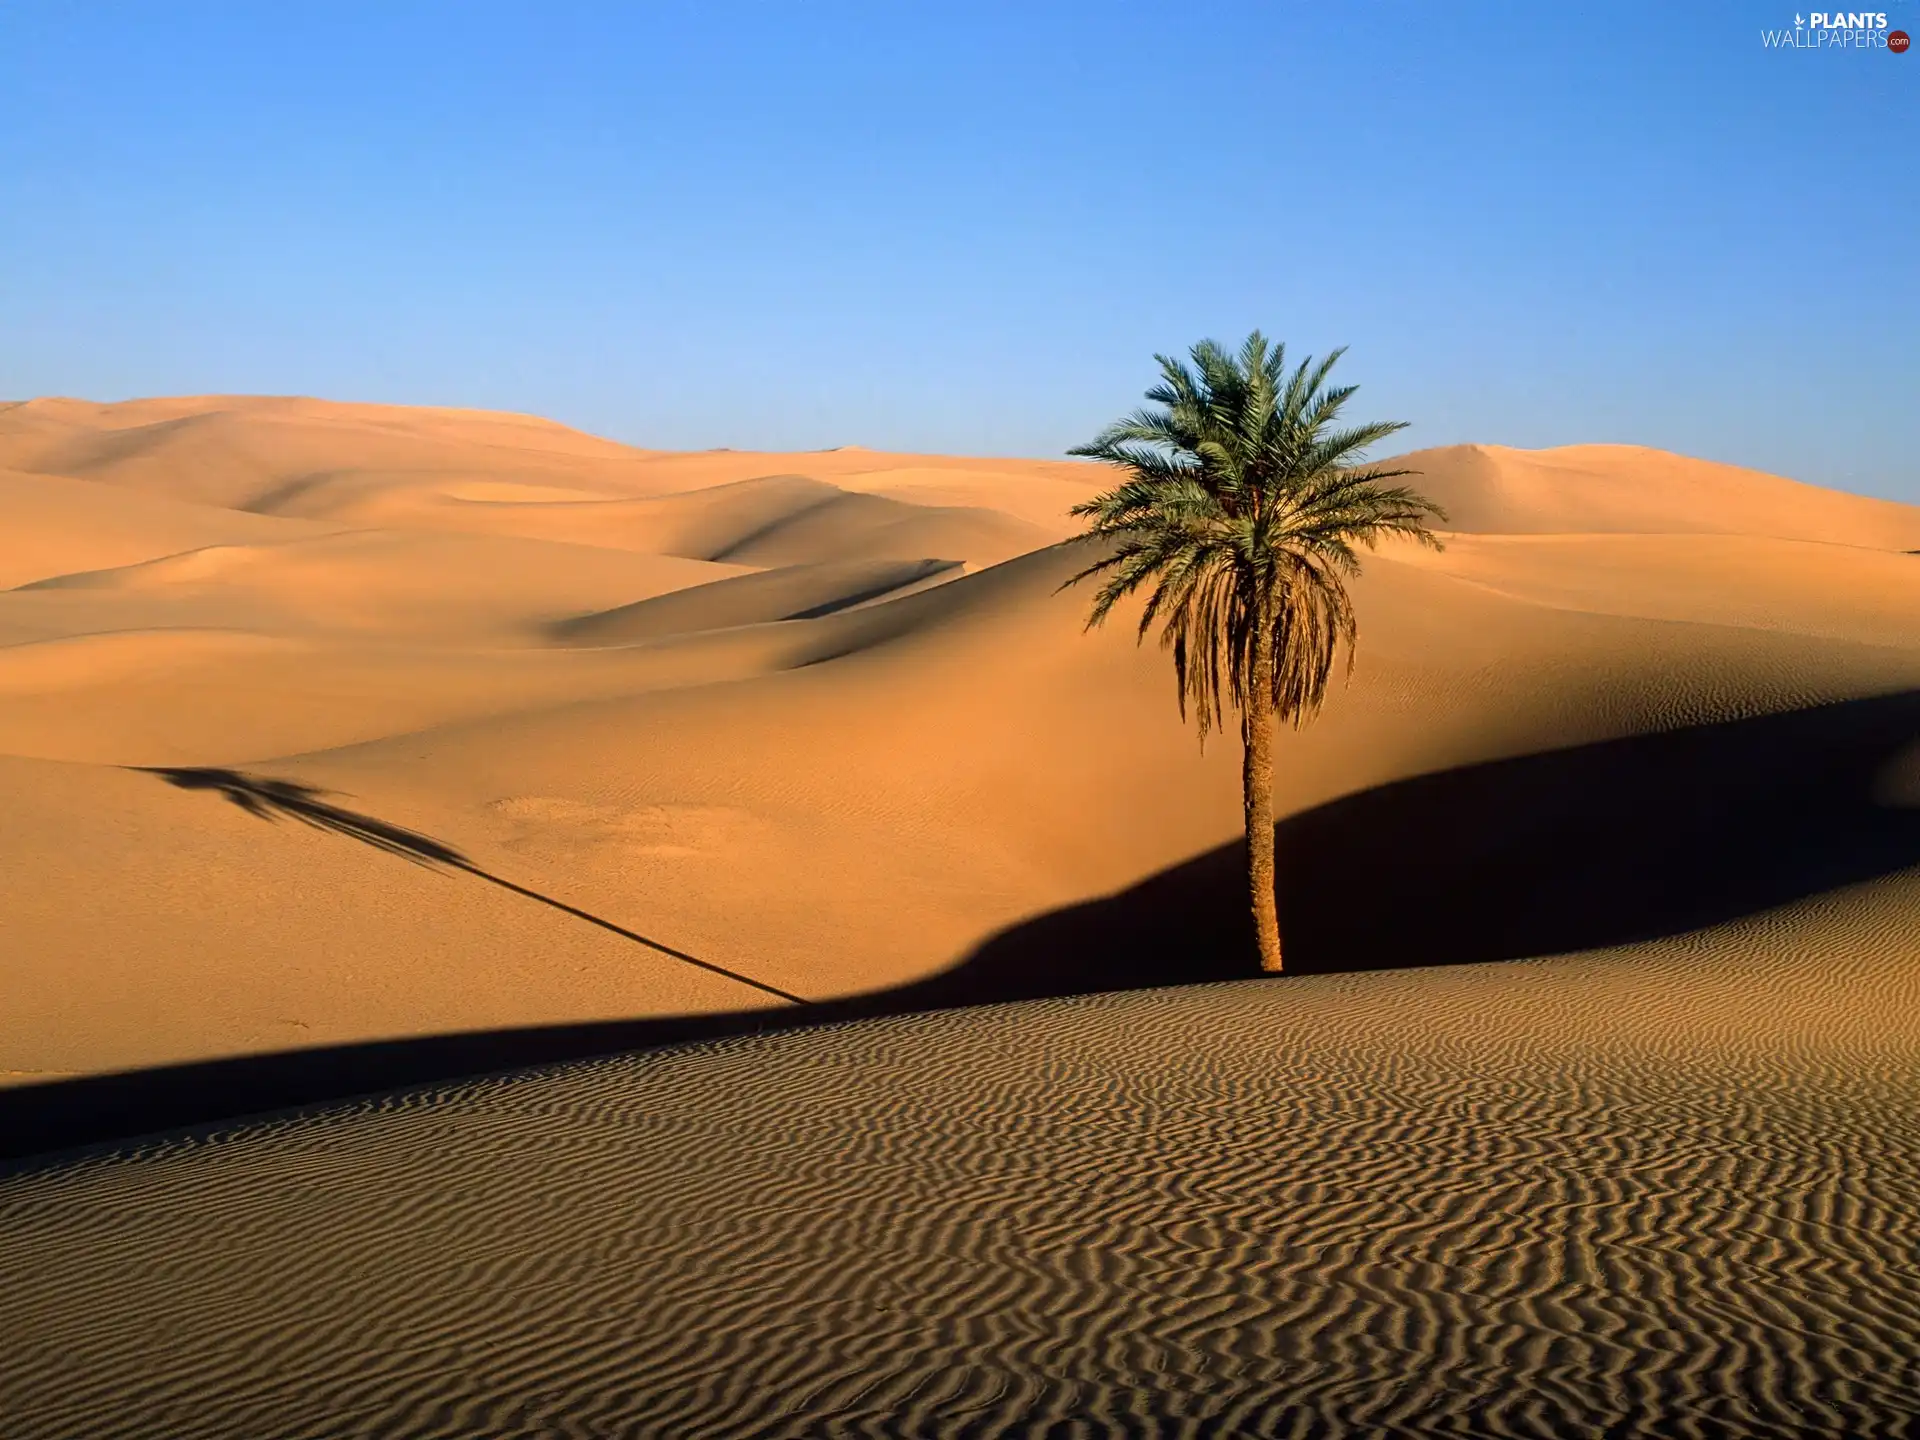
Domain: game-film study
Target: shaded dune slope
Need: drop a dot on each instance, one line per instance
(778, 520)
(792, 592)
(1614, 843)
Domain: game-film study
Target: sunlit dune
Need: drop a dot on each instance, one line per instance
(1628, 489)
(56, 526)
(828, 725)
(895, 696)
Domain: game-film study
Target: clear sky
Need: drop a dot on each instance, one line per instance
(966, 227)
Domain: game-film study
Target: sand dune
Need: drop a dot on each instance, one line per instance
(775, 647)
(395, 582)
(259, 452)
(790, 592)
(769, 520)
(294, 456)
(159, 945)
(55, 526)
(829, 724)
(277, 455)
(1747, 580)
(148, 697)
(90, 660)
(1630, 489)
(870, 527)
(462, 472)
(971, 756)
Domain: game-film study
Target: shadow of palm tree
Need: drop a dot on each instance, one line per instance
(1612, 843)
(277, 799)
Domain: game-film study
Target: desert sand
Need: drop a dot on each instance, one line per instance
(606, 737)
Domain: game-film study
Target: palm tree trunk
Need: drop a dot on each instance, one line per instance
(1257, 725)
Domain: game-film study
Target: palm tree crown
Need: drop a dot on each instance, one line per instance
(1242, 507)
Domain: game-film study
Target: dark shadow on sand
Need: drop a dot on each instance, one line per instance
(1572, 849)
(1604, 844)
(288, 799)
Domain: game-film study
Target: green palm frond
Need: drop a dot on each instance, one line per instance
(1243, 509)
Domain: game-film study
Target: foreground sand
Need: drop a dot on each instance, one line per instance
(1663, 1192)
(328, 725)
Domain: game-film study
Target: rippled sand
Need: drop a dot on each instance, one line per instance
(1668, 1191)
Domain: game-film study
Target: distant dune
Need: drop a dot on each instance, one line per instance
(828, 723)
(1628, 489)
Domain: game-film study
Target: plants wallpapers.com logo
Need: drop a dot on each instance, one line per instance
(1838, 30)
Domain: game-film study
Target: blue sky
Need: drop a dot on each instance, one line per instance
(967, 227)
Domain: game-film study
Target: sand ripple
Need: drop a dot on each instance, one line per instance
(1672, 1193)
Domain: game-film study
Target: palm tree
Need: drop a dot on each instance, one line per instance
(1241, 509)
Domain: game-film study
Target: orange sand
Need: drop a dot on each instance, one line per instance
(823, 719)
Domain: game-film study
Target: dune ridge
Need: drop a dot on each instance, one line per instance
(702, 731)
